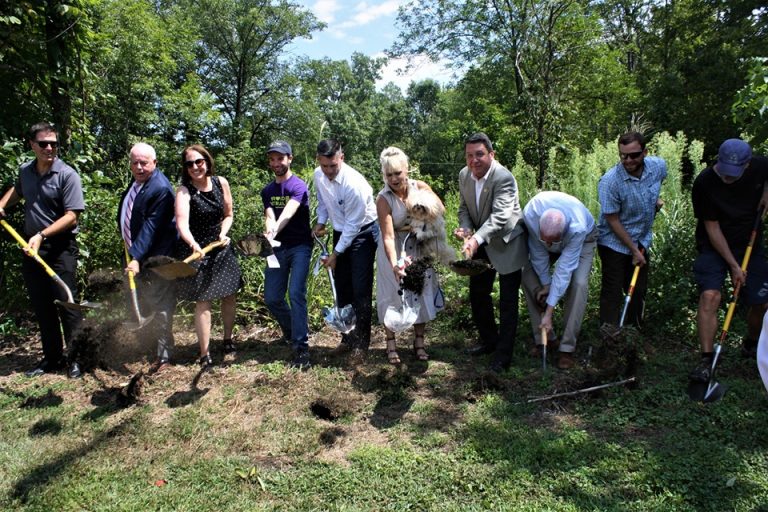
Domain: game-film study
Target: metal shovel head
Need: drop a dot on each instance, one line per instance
(82, 306)
(340, 319)
(398, 319)
(175, 270)
(469, 267)
(135, 325)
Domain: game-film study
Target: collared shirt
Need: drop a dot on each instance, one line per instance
(579, 225)
(479, 184)
(48, 197)
(347, 201)
(634, 199)
(126, 221)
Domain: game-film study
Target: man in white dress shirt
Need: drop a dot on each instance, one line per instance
(561, 229)
(345, 199)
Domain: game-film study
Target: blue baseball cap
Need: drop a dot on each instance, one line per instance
(733, 157)
(280, 146)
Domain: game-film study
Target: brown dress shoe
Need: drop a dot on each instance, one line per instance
(565, 360)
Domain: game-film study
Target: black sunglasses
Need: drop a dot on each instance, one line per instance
(628, 156)
(189, 163)
(42, 144)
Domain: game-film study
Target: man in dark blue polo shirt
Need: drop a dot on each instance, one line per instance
(53, 200)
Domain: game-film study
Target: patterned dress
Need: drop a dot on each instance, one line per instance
(218, 273)
(431, 299)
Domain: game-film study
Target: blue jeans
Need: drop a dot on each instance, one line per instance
(290, 277)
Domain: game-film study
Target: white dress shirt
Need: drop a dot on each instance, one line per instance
(347, 201)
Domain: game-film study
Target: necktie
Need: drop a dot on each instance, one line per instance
(128, 210)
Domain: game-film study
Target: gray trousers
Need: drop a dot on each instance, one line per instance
(575, 298)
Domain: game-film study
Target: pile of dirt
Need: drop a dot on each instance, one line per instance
(416, 273)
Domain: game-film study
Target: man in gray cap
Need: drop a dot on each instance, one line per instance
(286, 211)
(727, 197)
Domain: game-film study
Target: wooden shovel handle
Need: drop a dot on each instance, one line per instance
(208, 248)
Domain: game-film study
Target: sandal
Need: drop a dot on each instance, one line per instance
(205, 361)
(392, 355)
(419, 349)
(229, 346)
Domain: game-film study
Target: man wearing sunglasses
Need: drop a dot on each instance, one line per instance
(629, 199)
(146, 220)
(561, 231)
(727, 197)
(53, 200)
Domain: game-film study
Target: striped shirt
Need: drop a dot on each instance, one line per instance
(634, 199)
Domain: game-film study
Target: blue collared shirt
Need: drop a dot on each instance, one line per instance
(634, 199)
(580, 224)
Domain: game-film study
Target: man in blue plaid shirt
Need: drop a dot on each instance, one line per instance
(629, 199)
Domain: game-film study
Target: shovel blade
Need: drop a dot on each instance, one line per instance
(398, 319)
(175, 270)
(342, 320)
(82, 306)
(715, 392)
(133, 326)
(706, 392)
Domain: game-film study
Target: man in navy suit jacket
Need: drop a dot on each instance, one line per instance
(147, 225)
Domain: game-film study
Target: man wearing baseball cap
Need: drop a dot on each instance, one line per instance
(727, 197)
(286, 210)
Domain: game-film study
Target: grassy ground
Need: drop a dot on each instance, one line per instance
(254, 435)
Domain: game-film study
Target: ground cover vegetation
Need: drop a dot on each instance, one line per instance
(553, 83)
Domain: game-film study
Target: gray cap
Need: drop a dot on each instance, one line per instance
(280, 146)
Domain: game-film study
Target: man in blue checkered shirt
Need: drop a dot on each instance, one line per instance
(629, 199)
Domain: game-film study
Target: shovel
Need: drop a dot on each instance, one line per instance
(140, 321)
(343, 319)
(469, 267)
(178, 269)
(628, 297)
(70, 302)
(544, 348)
(714, 391)
(399, 319)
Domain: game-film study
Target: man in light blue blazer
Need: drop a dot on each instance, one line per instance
(492, 230)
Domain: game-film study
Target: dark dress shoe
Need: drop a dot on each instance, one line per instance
(44, 366)
(565, 361)
(479, 349)
(498, 366)
(159, 365)
(74, 371)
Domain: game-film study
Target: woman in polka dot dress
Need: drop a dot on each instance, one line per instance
(204, 215)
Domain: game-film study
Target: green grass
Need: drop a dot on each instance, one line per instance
(415, 439)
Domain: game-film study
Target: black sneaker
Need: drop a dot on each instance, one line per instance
(702, 372)
(301, 361)
(748, 348)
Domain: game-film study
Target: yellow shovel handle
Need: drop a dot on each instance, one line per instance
(33, 254)
(23, 243)
(208, 248)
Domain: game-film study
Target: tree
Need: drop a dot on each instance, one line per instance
(540, 51)
(237, 54)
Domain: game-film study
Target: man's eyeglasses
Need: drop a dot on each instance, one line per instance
(199, 162)
(631, 156)
(42, 144)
